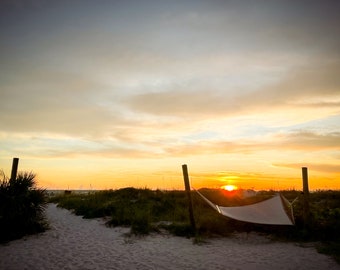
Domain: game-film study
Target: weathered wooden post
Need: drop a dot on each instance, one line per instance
(187, 189)
(14, 168)
(306, 213)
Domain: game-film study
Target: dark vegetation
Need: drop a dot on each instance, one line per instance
(21, 207)
(148, 211)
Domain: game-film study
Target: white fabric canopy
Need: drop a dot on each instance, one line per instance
(270, 211)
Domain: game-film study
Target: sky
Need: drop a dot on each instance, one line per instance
(110, 94)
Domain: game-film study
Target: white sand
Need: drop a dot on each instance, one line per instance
(76, 243)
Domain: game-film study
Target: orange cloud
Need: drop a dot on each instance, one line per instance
(325, 168)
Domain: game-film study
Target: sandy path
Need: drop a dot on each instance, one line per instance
(76, 243)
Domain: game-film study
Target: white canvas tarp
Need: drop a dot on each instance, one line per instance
(270, 211)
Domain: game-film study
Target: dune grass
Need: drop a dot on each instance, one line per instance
(145, 211)
(128, 206)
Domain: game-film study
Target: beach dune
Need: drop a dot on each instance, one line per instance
(76, 243)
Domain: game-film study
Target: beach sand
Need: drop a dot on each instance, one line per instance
(76, 243)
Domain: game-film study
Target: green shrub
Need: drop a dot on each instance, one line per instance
(21, 207)
(180, 229)
(140, 225)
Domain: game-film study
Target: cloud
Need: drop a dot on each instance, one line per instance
(60, 103)
(320, 167)
(153, 60)
(297, 141)
(305, 87)
(319, 79)
(309, 141)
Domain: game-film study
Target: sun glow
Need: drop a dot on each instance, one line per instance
(229, 187)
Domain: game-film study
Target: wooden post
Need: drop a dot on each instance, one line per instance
(14, 168)
(306, 213)
(187, 189)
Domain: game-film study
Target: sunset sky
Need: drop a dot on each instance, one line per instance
(109, 94)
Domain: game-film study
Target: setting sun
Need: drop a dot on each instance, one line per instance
(229, 187)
